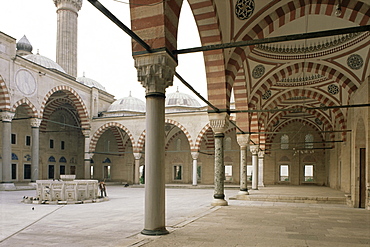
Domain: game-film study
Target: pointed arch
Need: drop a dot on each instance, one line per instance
(30, 108)
(115, 128)
(74, 97)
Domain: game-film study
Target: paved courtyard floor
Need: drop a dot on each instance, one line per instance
(190, 218)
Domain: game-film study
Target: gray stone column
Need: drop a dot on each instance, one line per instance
(66, 53)
(219, 123)
(261, 156)
(6, 118)
(35, 148)
(137, 168)
(243, 140)
(87, 155)
(195, 156)
(155, 72)
(254, 151)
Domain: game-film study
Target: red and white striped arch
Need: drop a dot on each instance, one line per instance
(77, 103)
(30, 108)
(116, 129)
(352, 10)
(308, 67)
(182, 128)
(4, 96)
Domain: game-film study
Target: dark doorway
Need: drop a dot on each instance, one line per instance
(362, 178)
(51, 172)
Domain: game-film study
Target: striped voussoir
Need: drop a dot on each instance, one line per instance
(353, 11)
(4, 96)
(77, 103)
(182, 128)
(116, 129)
(30, 108)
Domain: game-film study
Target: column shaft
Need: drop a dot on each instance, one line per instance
(260, 169)
(195, 171)
(35, 154)
(219, 196)
(154, 166)
(7, 151)
(254, 151)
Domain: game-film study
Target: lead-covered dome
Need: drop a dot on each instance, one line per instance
(181, 99)
(181, 102)
(126, 106)
(90, 82)
(44, 62)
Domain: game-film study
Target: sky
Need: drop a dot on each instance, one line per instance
(104, 50)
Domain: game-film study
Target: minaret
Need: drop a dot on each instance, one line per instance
(67, 11)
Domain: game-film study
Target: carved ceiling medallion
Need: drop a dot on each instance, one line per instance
(244, 9)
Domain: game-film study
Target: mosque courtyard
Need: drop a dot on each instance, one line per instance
(190, 219)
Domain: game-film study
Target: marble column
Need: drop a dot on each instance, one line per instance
(219, 123)
(261, 156)
(254, 151)
(35, 148)
(6, 118)
(137, 157)
(87, 155)
(243, 140)
(195, 156)
(155, 72)
(66, 52)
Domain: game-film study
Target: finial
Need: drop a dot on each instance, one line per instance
(177, 89)
(38, 52)
(129, 94)
(83, 74)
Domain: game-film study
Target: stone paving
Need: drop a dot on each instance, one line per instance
(189, 218)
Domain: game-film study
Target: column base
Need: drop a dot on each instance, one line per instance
(243, 192)
(219, 202)
(155, 232)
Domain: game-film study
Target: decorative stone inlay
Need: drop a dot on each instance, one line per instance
(355, 61)
(258, 71)
(333, 89)
(303, 79)
(155, 71)
(244, 9)
(324, 107)
(25, 82)
(318, 121)
(266, 95)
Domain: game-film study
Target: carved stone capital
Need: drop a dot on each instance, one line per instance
(35, 122)
(261, 154)
(219, 122)
(72, 5)
(254, 149)
(195, 155)
(7, 116)
(137, 156)
(155, 71)
(243, 139)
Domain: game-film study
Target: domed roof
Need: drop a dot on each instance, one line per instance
(129, 103)
(44, 61)
(24, 45)
(181, 99)
(90, 82)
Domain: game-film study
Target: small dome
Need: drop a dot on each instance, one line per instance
(90, 82)
(181, 99)
(129, 103)
(44, 61)
(24, 45)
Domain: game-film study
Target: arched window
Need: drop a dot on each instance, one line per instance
(51, 159)
(308, 141)
(284, 141)
(178, 144)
